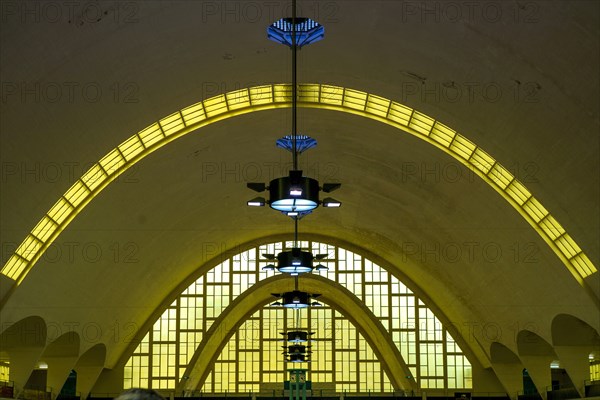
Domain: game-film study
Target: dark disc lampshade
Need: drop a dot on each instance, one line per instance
(294, 193)
(295, 261)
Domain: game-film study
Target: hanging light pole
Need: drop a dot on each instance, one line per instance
(294, 195)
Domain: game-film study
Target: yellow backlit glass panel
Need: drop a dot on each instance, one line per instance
(44, 229)
(190, 313)
(312, 95)
(260, 95)
(551, 227)
(112, 162)
(568, 245)
(463, 147)
(153, 134)
(595, 371)
(518, 192)
(131, 148)
(583, 265)
(215, 106)
(501, 176)
(332, 95)
(282, 93)
(378, 106)
(481, 160)
(196, 288)
(136, 370)
(355, 99)
(94, 177)
(421, 123)
(442, 134)
(77, 193)
(29, 247)
(309, 93)
(534, 209)
(399, 113)
(194, 114)
(4, 372)
(14, 267)
(238, 99)
(60, 211)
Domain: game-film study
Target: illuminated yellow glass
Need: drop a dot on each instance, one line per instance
(421, 123)
(154, 133)
(340, 354)
(442, 134)
(311, 95)
(595, 371)
(378, 106)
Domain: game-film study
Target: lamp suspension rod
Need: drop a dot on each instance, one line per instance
(294, 83)
(296, 232)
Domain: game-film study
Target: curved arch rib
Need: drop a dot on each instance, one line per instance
(260, 294)
(266, 97)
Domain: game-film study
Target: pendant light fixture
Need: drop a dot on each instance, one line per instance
(295, 261)
(297, 350)
(296, 336)
(296, 299)
(295, 195)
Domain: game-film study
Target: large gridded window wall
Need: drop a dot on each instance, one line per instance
(340, 354)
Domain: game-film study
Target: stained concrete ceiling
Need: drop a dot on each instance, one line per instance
(520, 80)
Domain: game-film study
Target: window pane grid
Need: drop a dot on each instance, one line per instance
(340, 355)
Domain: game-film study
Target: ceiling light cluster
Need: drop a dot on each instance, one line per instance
(295, 195)
(296, 299)
(297, 353)
(297, 350)
(295, 262)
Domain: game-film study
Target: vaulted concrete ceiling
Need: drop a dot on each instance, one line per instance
(520, 80)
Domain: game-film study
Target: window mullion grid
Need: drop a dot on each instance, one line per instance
(229, 284)
(237, 343)
(177, 338)
(337, 346)
(150, 355)
(261, 339)
(389, 319)
(363, 280)
(444, 357)
(357, 363)
(211, 373)
(417, 343)
(334, 340)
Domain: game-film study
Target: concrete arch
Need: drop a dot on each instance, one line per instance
(332, 293)
(320, 96)
(61, 355)
(568, 330)
(574, 340)
(477, 357)
(531, 344)
(479, 360)
(536, 355)
(23, 343)
(508, 368)
(89, 365)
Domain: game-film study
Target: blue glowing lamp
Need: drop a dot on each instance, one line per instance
(307, 31)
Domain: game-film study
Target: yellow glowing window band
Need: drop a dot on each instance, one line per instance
(267, 97)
